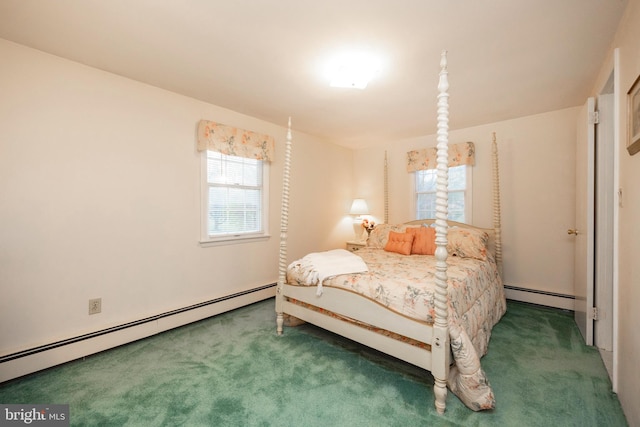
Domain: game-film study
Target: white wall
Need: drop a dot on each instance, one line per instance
(537, 179)
(100, 197)
(628, 298)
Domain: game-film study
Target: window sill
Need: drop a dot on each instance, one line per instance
(233, 240)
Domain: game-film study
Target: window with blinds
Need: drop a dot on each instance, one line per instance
(459, 206)
(235, 197)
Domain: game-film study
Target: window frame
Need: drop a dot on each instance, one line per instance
(468, 194)
(231, 238)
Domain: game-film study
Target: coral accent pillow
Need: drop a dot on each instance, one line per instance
(399, 243)
(424, 240)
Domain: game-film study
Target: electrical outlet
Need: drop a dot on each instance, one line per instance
(95, 306)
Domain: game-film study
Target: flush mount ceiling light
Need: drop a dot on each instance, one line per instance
(353, 70)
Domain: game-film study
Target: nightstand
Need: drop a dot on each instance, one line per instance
(353, 246)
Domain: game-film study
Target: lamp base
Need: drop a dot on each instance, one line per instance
(358, 230)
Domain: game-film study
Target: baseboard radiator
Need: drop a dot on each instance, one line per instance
(34, 359)
(549, 299)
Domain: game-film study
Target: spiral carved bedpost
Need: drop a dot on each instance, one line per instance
(386, 189)
(440, 345)
(284, 225)
(496, 204)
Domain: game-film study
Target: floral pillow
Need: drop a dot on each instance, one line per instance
(380, 235)
(467, 243)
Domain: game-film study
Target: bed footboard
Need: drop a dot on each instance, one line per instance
(374, 326)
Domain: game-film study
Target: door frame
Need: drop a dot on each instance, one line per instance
(617, 199)
(616, 208)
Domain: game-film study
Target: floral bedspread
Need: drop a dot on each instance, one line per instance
(406, 285)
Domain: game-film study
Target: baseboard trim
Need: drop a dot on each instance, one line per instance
(34, 359)
(533, 296)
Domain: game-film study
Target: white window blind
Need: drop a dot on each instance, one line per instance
(235, 197)
(459, 193)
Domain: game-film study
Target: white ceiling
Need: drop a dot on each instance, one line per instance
(263, 58)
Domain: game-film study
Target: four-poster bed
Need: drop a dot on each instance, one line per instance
(424, 308)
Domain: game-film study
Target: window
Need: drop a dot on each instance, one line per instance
(235, 197)
(459, 207)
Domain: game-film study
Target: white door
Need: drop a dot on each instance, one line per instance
(583, 228)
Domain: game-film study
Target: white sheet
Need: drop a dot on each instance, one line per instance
(318, 266)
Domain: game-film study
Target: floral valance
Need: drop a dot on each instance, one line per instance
(235, 142)
(459, 154)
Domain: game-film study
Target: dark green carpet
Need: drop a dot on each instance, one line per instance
(232, 370)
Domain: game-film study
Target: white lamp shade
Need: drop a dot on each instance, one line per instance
(359, 207)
